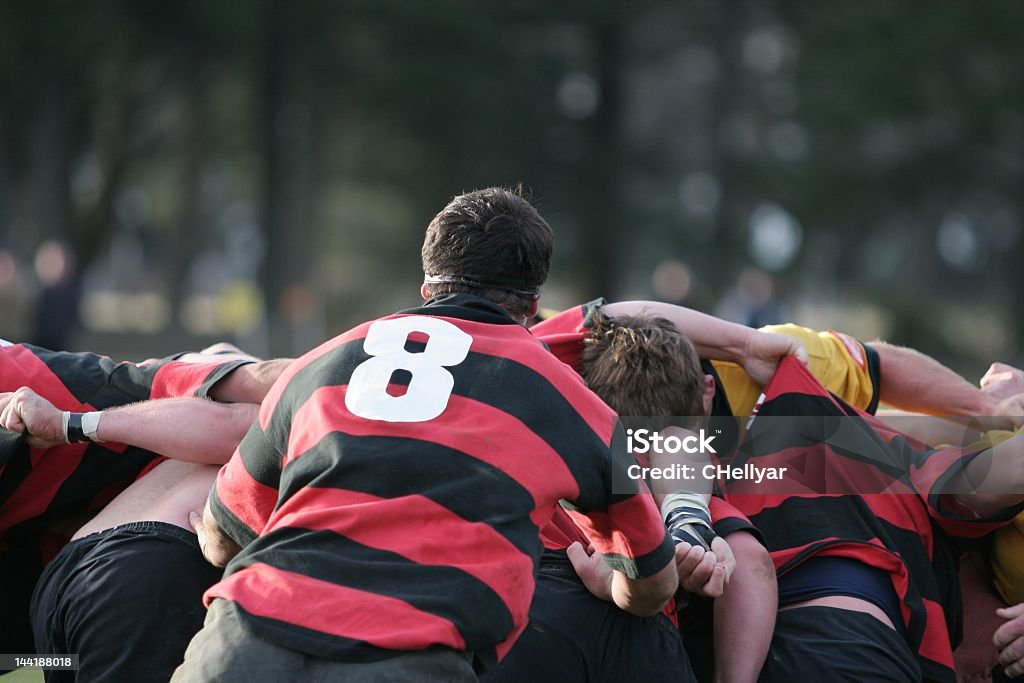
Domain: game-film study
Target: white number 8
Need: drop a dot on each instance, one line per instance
(431, 385)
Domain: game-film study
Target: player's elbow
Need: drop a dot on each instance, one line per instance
(646, 597)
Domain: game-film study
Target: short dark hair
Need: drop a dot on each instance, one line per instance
(492, 243)
(642, 365)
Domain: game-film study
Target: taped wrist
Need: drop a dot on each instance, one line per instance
(78, 427)
(688, 520)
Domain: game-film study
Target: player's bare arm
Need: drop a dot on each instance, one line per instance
(757, 352)
(918, 383)
(191, 429)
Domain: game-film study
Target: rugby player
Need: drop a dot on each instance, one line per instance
(866, 540)
(46, 493)
(380, 520)
(847, 367)
(639, 365)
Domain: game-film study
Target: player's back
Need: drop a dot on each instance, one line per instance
(419, 454)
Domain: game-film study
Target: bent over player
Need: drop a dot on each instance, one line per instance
(388, 500)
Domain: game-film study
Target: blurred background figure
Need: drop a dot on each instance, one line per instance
(753, 301)
(56, 306)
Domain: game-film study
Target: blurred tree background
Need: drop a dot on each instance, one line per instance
(173, 173)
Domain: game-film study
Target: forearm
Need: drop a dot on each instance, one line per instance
(189, 429)
(918, 383)
(713, 337)
(745, 614)
(929, 429)
(644, 597)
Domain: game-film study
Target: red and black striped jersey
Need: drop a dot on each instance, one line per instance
(390, 495)
(856, 488)
(564, 333)
(37, 484)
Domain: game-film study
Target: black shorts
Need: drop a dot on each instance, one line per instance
(835, 645)
(127, 600)
(21, 564)
(573, 636)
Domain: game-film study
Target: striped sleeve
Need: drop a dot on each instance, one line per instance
(727, 519)
(246, 491)
(564, 333)
(630, 536)
(629, 533)
(173, 378)
(191, 379)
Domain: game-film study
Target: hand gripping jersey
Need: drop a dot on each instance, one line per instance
(847, 367)
(40, 484)
(870, 494)
(390, 495)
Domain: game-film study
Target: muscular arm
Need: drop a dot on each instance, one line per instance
(189, 429)
(758, 352)
(918, 383)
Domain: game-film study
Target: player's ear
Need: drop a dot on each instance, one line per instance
(709, 393)
(424, 291)
(532, 310)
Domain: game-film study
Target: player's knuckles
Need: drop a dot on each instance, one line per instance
(1012, 652)
(1014, 670)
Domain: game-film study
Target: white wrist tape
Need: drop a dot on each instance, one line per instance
(91, 425)
(682, 499)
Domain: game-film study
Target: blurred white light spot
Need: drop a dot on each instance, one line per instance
(775, 236)
(957, 242)
(764, 50)
(578, 96)
(700, 193)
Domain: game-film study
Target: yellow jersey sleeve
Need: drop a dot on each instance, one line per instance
(1007, 555)
(845, 366)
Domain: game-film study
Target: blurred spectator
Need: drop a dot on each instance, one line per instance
(56, 312)
(752, 301)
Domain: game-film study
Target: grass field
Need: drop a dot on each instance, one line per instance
(23, 676)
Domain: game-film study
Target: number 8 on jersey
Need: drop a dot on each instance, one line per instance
(430, 386)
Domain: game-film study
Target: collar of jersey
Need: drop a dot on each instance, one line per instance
(464, 307)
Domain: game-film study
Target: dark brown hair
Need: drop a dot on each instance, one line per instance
(642, 365)
(492, 243)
